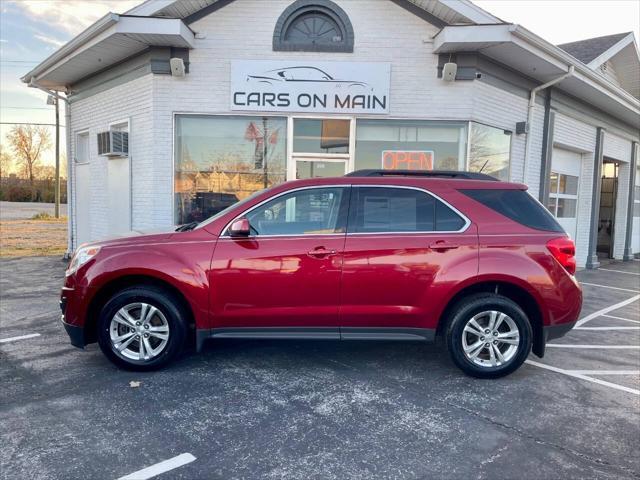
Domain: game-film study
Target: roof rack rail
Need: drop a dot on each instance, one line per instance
(423, 173)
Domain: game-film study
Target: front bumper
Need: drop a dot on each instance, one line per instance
(76, 334)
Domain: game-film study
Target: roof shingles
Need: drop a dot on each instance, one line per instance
(587, 50)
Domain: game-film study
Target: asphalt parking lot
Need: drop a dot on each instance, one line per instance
(270, 409)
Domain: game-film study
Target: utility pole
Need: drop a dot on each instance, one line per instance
(57, 183)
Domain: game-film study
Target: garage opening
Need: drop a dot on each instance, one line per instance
(608, 196)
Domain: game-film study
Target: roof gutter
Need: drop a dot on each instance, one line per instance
(532, 104)
(580, 68)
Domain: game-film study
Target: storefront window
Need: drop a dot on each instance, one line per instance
(320, 136)
(221, 160)
(410, 145)
(489, 151)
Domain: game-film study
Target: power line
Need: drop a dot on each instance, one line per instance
(19, 61)
(28, 108)
(30, 123)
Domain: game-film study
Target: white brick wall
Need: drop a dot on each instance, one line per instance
(502, 109)
(132, 100)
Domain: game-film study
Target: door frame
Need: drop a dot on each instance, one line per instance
(292, 157)
(78, 168)
(614, 207)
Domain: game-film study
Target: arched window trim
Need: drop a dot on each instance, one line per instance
(301, 7)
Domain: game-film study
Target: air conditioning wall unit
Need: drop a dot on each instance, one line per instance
(113, 144)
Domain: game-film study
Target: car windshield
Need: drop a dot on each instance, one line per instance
(230, 208)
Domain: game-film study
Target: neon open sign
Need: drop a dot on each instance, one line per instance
(407, 159)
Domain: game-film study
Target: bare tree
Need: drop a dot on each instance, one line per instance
(6, 162)
(28, 143)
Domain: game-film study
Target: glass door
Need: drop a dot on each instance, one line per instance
(320, 147)
(314, 168)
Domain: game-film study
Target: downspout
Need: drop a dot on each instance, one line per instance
(67, 126)
(532, 104)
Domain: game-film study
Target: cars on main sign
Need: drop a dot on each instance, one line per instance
(374, 255)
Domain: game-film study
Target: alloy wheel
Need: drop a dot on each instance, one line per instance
(139, 331)
(490, 339)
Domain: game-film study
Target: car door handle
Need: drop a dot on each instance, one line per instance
(441, 246)
(321, 252)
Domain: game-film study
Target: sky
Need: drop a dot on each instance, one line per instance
(31, 30)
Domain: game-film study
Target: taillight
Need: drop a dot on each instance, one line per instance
(564, 251)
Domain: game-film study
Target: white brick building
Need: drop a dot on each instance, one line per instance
(261, 92)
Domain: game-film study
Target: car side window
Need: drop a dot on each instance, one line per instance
(303, 212)
(446, 219)
(389, 209)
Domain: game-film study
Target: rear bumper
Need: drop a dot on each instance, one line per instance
(556, 331)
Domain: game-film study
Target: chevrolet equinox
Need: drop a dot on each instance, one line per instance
(374, 255)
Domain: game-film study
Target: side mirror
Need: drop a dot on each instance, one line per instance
(240, 228)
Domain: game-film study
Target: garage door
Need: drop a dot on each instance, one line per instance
(563, 191)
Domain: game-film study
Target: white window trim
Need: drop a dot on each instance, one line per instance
(77, 134)
(556, 195)
(126, 121)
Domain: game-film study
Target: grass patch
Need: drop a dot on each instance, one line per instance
(42, 216)
(31, 238)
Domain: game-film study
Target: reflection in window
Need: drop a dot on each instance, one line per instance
(563, 195)
(489, 151)
(313, 211)
(220, 160)
(320, 136)
(410, 145)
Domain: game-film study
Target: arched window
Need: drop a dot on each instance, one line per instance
(313, 26)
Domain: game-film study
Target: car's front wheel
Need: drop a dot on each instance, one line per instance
(488, 335)
(142, 328)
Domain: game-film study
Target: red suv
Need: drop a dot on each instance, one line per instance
(374, 255)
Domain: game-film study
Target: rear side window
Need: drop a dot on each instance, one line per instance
(446, 219)
(517, 205)
(389, 209)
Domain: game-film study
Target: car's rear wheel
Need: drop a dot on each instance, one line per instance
(142, 328)
(488, 335)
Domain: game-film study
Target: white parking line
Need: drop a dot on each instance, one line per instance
(620, 318)
(21, 337)
(161, 467)
(605, 372)
(620, 271)
(608, 347)
(584, 377)
(607, 328)
(611, 308)
(609, 287)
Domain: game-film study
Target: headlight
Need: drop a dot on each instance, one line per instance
(82, 256)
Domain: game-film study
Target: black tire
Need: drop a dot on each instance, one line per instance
(168, 305)
(473, 305)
